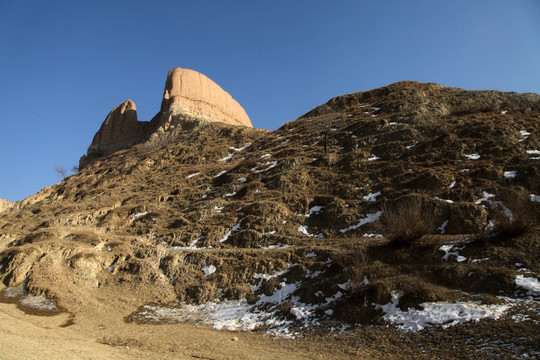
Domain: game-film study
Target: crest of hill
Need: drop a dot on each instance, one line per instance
(425, 101)
(188, 94)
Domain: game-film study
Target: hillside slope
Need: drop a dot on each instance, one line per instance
(289, 230)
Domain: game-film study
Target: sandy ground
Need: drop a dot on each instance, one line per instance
(24, 336)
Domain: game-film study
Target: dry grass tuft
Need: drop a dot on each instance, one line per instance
(516, 216)
(406, 221)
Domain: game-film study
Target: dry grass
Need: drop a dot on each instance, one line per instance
(516, 216)
(406, 221)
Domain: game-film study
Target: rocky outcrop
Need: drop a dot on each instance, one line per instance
(192, 93)
(5, 205)
(119, 130)
(188, 94)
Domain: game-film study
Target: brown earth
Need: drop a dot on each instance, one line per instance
(5, 205)
(137, 227)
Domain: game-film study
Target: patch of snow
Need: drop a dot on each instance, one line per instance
(373, 157)
(442, 228)
(371, 235)
(530, 284)
(138, 215)
(465, 170)
(315, 210)
(310, 255)
(452, 185)
(284, 142)
(192, 175)
(533, 152)
(504, 112)
(476, 261)
(221, 173)
(510, 174)
(525, 134)
(271, 163)
(266, 156)
(218, 208)
(227, 158)
(372, 197)
(240, 149)
(354, 137)
(452, 249)
(303, 230)
(474, 156)
(190, 246)
(485, 196)
(411, 146)
(230, 194)
(39, 302)
(368, 219)
(438, 313)
(445, 200)
(208, 269)
(242, 179)
(234, 228)
(535, 198)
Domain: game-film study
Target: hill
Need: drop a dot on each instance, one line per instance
(403, 205)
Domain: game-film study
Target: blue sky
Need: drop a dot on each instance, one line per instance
(65, 64)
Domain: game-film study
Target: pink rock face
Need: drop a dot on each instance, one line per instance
(190, 92)
(119, 130)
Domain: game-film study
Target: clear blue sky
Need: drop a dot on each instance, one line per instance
(65, 64)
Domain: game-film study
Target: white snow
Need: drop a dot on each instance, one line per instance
(234, 228)
(310, 255)
(368, 219)
(535, 198)
(39, 302)
(452, 185)
(442, 228)
(411, 146)
(221, 173)
(528, 283)
(190, 246)
(510, 174)
(266, 156)
(485, 196)
(138, 215)
(208, 269)
(315, 210)
(230, 194)
(227, 158)
(445, 200)
(240, 149)
(453, 248)
(474, 156)
(533, 152)
(504, 112)
(525, 134)
(303, 230)
(372, 197)
(438, 313)
(270, 164)
(192, 175)
(373, 157)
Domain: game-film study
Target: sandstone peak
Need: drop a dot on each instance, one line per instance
(119, 130)
(192, 93)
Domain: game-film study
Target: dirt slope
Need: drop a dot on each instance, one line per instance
(283, 224)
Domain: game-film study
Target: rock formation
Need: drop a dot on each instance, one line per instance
(119, 130)
(187, 94)
(192, 93)
(5, 205)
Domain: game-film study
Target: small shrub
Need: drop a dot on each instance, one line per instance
(516, 215)
(406, 221)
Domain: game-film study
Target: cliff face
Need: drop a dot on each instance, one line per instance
(187, 94)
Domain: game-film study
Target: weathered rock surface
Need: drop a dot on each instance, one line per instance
(187, 94)
(119, 130)
(192, 93)
(5, 205)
